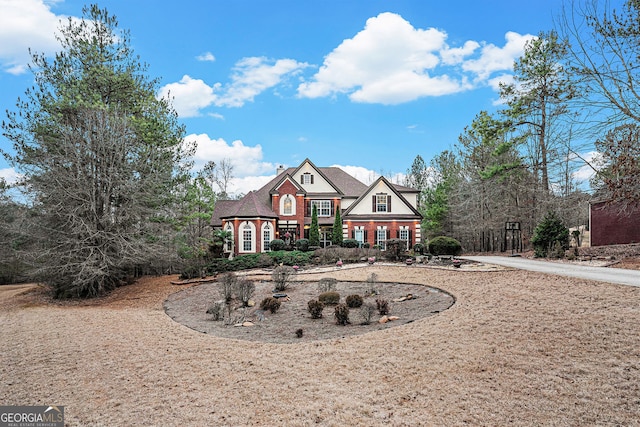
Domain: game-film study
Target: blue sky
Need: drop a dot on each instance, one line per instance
(363, 84)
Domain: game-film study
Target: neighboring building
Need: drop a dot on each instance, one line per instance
(609, 226)
(282, 210)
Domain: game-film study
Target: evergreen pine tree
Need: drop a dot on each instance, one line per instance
(336, 235)
(314, 231)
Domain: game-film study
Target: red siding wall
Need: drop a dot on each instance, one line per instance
(608, 227)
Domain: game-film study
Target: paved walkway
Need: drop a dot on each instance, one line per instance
(602, 274)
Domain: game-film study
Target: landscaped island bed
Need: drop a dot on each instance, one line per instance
(516, 348)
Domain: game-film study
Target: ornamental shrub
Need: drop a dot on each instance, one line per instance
(271, 304)
(277, 245)
(383, 306)
(550, 233)
(350, 243)
(329, 298)
(342, 314)
(418, 248)
(443, 245)
(315, 307)
(302, 245)
(366, 311)
(353, 301)
(281, 276)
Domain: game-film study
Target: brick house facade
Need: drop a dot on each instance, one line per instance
(283, 208)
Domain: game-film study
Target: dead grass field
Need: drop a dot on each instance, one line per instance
(517, 348)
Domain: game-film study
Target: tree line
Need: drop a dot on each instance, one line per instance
(574, 90)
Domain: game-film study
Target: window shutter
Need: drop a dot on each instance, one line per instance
(312, 179)
(388, 203)
(373, 203)
(353, 234)
(365, 236)
(388, 234)
(375, 237)
(333, 209)
(397, 234)
(307, 208)
(301, 179)
(410, 241)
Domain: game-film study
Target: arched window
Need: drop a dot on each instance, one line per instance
(288, 205)
(228, 244)
(248, 243)
(267, 237)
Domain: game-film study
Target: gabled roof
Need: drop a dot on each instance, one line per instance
(286, 176)
(391, 187)
(258, 203)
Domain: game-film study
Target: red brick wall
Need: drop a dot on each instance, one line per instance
(371, 228)
(608, 227)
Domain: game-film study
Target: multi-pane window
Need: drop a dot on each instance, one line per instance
(307, 178)
(359, 236)
(381, 235)
(247, 238)
(266, 238)
(288, 206)
(381, 203)
(323, 207)
(404, 233)
(228, 243)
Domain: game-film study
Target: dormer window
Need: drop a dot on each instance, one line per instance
(306, 178)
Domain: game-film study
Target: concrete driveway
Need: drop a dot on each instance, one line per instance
(602, 274)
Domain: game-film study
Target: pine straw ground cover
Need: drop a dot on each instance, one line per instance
(517, 348)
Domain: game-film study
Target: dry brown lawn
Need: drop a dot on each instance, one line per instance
(517, 348)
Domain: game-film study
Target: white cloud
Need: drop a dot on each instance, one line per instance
(386, 62)
(206, 57)
(494, 58)
(10, 175)
(456, 55)
(189, 95)
(26, 24)
(253, 76)
(246, 160)
(391, 62)
(586, 172)
(360, 173)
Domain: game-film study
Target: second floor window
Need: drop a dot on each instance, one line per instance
(306, 178)
(323, 207)
(288, 206)
(382, 203)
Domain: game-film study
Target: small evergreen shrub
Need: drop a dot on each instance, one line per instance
(302, 245)
(443, 245)
(383, 306)
(271, 304)
(550, 237)
(277, 245)
(418, 248)
(342, 314)
(329, 298)
(299, 333)
(327, 284)
(354, 301)
(315, 308)
(350, 243)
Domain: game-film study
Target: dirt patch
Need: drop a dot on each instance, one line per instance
(407, 302)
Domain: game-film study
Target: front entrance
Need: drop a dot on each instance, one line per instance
(325, 237)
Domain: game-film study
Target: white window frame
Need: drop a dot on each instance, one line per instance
(267, 237)
(358, 235)
(247, 232)
(283, 202)
(404, 234)
(306, 178)
(228, 244)
(382, 231)
(323, 207)
(381, 203)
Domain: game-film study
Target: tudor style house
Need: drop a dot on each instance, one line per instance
(282, 209)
